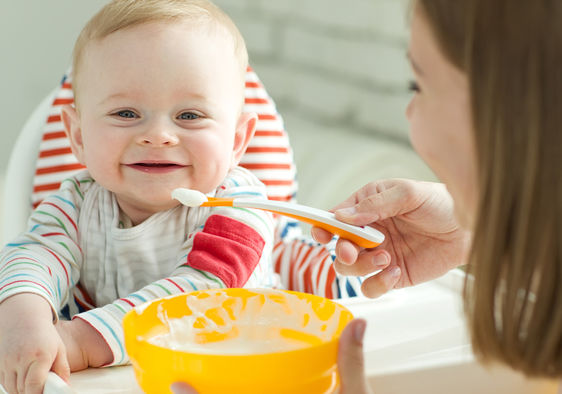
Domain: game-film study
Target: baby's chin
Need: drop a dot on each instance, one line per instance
(147, 205)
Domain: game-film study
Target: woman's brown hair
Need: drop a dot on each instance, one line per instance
(511, 52)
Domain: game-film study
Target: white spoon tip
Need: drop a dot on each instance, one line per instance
(189, 197)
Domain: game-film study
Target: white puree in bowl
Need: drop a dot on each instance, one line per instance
(270, 321)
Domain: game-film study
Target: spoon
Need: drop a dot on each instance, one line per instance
(366, 237)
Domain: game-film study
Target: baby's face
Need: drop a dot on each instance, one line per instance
(158, 108)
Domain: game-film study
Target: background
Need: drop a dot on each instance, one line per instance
(337, 71)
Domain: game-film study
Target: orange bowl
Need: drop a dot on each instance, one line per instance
(236, 341)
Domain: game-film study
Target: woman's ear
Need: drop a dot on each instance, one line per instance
(71, 121)
(245, 129)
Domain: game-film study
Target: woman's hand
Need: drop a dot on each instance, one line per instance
(351, 365)
(422, 238)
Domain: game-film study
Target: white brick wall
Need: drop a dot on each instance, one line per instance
(337, 62)
(339, 74)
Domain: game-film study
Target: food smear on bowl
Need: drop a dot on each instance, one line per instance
(260, 321)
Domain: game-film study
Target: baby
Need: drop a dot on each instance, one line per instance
(159, 89)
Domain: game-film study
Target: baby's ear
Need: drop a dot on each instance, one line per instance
(71, 121)
(245, 129)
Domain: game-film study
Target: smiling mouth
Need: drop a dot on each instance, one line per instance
(155, 167)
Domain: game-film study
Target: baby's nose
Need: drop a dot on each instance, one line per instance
(158, 137)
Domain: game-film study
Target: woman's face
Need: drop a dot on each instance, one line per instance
(440, 118)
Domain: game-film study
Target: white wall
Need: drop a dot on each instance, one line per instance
(36, 40)
(339, 63)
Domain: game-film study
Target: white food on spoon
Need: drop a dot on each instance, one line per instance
(189, 197)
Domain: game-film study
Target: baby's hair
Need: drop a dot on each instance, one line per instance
(122, 14)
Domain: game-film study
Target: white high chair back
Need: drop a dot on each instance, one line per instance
(18, 181)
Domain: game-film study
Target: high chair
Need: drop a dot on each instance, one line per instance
(41, 159)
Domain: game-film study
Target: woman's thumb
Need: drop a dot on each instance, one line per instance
(378, 206)
(182, 388)
(350, 359)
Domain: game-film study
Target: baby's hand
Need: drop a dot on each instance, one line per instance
(85, 347)
(29, 345)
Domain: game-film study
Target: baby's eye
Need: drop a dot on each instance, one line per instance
(188, 116)
(126, 113)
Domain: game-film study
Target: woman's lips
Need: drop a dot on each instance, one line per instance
(155, 168)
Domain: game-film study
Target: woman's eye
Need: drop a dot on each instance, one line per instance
(126, 113)
(188, 116)
(413, 87)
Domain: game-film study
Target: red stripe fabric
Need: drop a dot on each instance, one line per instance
(276, 182)
(256, 100)
(54, 118)
(62, 265)
(64, 167)
(269, 133)
(127, 301)
(64, 213)
(280, 198)
(267, 149)
(27, 281)
(265, 166)
(55, 152)
(54, 135)
(46, 187)
(175, 284)
(267, 117)
(62, 101)
(85, 296)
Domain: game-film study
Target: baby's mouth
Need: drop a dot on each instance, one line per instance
(156, 167)
(160, 165)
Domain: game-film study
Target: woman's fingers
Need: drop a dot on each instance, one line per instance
(379, 284)
(182, 388)
(346, 251)
(367, 262)
(374, 204)
(321, 235)
(350, 359)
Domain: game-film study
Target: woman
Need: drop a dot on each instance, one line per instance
(484, 116)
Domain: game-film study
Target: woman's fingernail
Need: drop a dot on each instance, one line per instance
(349, 211)
(380, 261)
(359, 331)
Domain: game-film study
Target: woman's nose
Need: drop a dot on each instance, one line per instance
(158, 137)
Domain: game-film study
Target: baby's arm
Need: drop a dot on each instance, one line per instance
(37, 271)
(85, 347)
(29, 345)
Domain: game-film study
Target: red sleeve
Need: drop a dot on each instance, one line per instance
(228, 249)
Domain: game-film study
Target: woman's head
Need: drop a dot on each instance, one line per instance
(511, 55)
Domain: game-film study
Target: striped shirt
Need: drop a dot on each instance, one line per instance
(80, 253)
